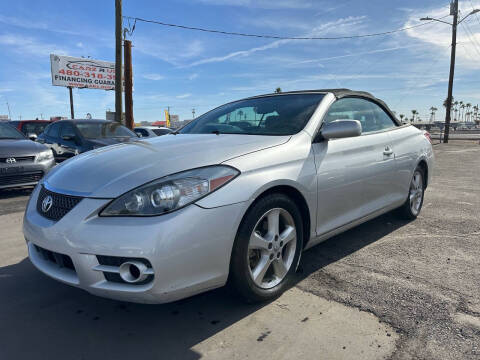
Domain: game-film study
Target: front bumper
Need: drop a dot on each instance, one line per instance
(23, 173)
(189, 250)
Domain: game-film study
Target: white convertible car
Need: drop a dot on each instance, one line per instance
(236, 195)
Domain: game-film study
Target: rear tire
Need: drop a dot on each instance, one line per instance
(267, 249)
(414, 202)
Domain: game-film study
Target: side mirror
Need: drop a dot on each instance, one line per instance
(341, 129)
(32, 136)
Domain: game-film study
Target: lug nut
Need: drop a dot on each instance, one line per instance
(276, 237)
(270, 246)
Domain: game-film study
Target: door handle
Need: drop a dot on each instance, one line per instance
(388, 151)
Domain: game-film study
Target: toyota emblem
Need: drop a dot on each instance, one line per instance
(47, 203)
(10, 160)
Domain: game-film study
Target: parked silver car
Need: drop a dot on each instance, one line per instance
(243, 190)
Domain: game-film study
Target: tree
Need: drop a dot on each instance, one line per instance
(468, 106)
(278, 90)
(462, 111)
(401, 117)
(414, 114)
(433, 109)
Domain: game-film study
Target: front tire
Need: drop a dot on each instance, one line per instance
(413, 205)
(267, 248)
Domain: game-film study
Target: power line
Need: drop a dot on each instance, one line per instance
(275, 36)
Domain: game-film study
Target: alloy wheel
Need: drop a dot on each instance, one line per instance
(416, 192)
(271, 248)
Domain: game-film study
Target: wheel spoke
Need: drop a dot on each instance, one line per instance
(257, 242)
(288, 234)
(261, 269)
(274, 222)
(279, 268)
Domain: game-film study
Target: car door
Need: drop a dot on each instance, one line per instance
(68, 141)
(50, 138)
(353, 174)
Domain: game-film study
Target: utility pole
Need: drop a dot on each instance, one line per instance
(118, 61)
(9, 112)
(72, 114)
(454, 12)
(193, 113)
(454, 25)
(127, 47)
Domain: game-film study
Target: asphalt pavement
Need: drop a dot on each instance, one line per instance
(386, 289)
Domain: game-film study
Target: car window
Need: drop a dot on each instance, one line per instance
(371, 116)
(67, 129)
(53, 130)
(95, 130)
(141, 132)
(9, 132)
(268, 115)
(33, 128)
(161, 131)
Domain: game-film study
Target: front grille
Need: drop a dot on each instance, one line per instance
(63, 261)
(18, 179)
(61, 204)
(18, 159)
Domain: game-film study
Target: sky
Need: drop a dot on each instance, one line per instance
(195, 70)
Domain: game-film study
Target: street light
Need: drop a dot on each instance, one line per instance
(454, 12)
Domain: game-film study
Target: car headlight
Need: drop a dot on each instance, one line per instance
(45, 155)
(171, 193)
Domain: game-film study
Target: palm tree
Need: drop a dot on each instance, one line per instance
(433, 109)
(461, 107)
(468, 105)
(414, 113)
(278, 90)
(475, 112)
(455, 109)
(401, 117)
(240, 113)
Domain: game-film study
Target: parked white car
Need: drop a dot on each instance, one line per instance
(236, 194)
(151, 131)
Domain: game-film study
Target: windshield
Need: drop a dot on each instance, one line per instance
(7, 131)
(270, 115)
(34, 127)
(95, 130)
(160, 132)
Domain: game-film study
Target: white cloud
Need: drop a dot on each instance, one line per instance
(193, 76)
(439, 35)
(172, 52)
(339, 26)
(264, 4)
(154, 77)
(184, 96)
(29, 45)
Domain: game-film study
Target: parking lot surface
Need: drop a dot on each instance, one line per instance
(386, 289)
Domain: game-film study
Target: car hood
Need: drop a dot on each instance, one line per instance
(113, 170)
(20, 147)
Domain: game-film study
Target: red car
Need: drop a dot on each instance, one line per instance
(30, 128)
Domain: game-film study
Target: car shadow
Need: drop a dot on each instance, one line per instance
(15, 192)
(42, 318)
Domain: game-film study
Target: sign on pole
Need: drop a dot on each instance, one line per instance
(82, 73)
